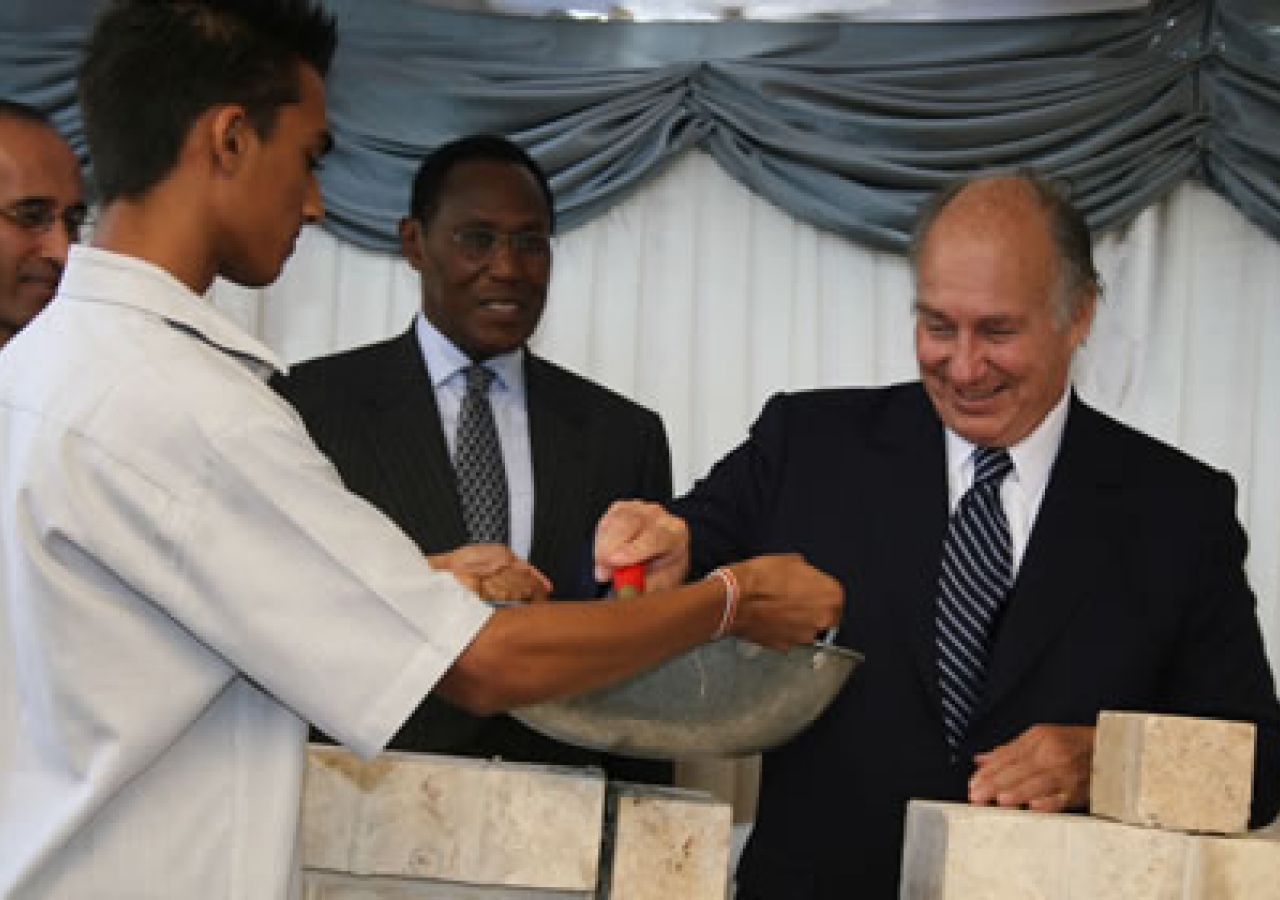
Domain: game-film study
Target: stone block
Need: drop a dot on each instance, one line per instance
(1173, 772)
(667, 843)
(470, 821)
(338, 886)
(955, 851)
(1234, 868)
(1123, 862)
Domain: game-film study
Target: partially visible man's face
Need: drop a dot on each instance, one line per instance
(993, 354)
(38, 174)
(486, 303)
(280, 190)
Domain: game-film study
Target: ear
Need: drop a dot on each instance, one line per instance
(231, 137)
(411, 240)
(1082, 318)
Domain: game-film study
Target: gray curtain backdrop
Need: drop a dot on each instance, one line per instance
(847, 126)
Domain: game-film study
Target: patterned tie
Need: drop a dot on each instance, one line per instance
(477, 462)
(977, 571)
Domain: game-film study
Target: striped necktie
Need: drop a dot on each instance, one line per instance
(977, 571)
(477, 463)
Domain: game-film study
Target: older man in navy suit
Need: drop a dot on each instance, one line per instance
(1103, 571)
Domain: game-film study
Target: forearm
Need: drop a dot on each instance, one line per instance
(531, 653)
(535, 653)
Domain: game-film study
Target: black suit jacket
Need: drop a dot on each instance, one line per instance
(1131, 595)
(373, 412)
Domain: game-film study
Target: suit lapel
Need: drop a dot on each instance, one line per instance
(411, 447)
(556, 425)
(1070, 549)
(910, 483)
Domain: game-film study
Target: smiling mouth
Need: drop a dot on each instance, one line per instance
(502, 306)
(975, 399)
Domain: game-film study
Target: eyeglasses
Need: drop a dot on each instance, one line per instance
(37, 216)
(479, 244)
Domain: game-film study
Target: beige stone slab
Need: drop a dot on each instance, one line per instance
(668, 844)
(1173, 772)
(331, 798)
(1124, 862)
(1234, 868)
(449, 818)
(955, 851)
(336, 886)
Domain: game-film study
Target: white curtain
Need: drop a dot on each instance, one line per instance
(699, 299)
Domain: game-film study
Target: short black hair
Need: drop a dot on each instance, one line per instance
(24, 112)
(428, 184)
(152, 67)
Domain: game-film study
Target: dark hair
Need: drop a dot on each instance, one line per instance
(428, 184)
(1068, 228)
(152, 67)
(13, 109)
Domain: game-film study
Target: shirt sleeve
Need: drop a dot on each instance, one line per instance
(309, 590)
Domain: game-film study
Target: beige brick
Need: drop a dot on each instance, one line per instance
(330, 809)
(1123, 862)
(336, 886)
(955, 851)
(668, 844)
(1234, 868)
(1173, 772)
(453, 819)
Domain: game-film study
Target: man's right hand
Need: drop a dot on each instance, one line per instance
(784, 601)
(636, 531)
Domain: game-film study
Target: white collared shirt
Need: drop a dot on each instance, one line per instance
(1023, 488)
(507, 398)
(184, 581)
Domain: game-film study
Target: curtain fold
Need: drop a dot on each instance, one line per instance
(846, 126)
(1241, 90)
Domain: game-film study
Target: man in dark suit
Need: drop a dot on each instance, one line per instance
(1123, 558)
(387, 415)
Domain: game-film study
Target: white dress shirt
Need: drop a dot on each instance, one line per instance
(1023, 488)
(510, 407)
(184, 580)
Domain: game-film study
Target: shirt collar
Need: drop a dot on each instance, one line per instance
(1032, 456)
(444, 359)
(94, 275)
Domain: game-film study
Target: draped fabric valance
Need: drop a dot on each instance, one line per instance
(847, 126)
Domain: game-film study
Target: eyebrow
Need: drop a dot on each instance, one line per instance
(36, 200)
(526, 226)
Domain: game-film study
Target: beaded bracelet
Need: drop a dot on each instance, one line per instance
(731, 596)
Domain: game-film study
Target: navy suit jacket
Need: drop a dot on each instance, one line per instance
(373, 412)
(1131, 595)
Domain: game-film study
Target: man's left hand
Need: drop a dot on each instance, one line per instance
(1046, 768)
(494, 572)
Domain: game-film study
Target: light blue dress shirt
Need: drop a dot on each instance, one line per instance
(510, 406)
